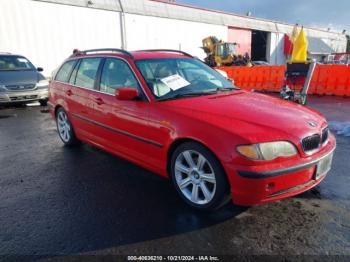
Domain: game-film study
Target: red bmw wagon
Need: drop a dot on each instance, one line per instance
(170, 113)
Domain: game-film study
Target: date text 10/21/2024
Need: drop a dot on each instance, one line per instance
(173, 258)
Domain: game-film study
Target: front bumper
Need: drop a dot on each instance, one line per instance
(23, 96)
(257, 184)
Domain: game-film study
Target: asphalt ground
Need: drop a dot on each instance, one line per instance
(58, 201)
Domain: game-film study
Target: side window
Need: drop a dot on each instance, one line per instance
(116, 74)
(87, 72)
(65, 70)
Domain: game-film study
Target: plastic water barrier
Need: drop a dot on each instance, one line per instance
(327, 79)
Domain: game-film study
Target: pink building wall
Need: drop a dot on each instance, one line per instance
(241, 36)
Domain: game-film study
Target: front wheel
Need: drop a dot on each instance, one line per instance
(65, 128)
(198, 177)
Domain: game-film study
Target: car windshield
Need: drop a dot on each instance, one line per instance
(172, 78)
(15, 63)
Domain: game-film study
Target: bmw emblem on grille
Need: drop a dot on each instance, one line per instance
(312, 124)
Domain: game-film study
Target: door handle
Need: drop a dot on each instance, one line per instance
(69, 92)
(99, 100)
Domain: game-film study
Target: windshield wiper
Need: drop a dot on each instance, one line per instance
(226, 88)
(203, 93)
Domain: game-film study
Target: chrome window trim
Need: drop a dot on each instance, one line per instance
(106, 56)
(85, 88)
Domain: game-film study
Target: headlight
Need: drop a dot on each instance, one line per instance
(2, 88)
(42, 84)
(268, 151)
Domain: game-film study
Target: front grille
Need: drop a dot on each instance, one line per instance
(311, 143)
(21, 98)
(325, 134)
(315, 141)
(20, 87)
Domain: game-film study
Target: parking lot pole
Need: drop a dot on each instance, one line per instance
(122, 27)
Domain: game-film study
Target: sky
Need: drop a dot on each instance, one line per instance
(334, 14)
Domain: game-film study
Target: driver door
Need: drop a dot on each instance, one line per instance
(123, 124)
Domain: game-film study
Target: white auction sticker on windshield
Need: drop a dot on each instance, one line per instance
(175, 82)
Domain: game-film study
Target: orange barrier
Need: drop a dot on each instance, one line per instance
(327, 79)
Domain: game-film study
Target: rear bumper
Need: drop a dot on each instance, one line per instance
(251, 187)
(24, 96)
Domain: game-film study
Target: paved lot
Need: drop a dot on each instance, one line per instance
(59, 201)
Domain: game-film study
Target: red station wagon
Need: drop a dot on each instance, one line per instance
(170, 113)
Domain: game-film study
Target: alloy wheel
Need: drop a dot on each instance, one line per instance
(195, 177)
(63, 126)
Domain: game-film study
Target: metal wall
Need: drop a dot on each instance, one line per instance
(187, 13)
(145, 32)
(47, 33)
(275, 49)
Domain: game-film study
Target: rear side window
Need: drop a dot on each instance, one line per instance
(87, 72)
(64, 72)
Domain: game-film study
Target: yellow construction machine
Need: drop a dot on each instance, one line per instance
(218, 52)
(221, 53)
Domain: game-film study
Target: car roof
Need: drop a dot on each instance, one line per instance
(9, 54)
(140, 55)
(134, 55)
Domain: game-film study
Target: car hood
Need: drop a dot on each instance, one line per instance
(251, 114)
(20, 77)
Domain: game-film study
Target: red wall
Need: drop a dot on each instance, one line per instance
(241, 36)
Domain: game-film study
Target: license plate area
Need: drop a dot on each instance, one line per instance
(323, 167)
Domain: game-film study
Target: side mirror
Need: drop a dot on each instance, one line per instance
(40, 69)
(126, 93)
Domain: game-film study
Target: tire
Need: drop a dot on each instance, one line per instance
(65, 128)
(199, 177)
(43, 102)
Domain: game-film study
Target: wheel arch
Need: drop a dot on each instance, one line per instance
(63, 105)
(176, 143)
(56, 109)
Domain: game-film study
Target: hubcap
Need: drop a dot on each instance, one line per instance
(195, 177)
(63, 126)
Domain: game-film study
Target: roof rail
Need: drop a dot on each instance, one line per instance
(77, 52)
(166, 50)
